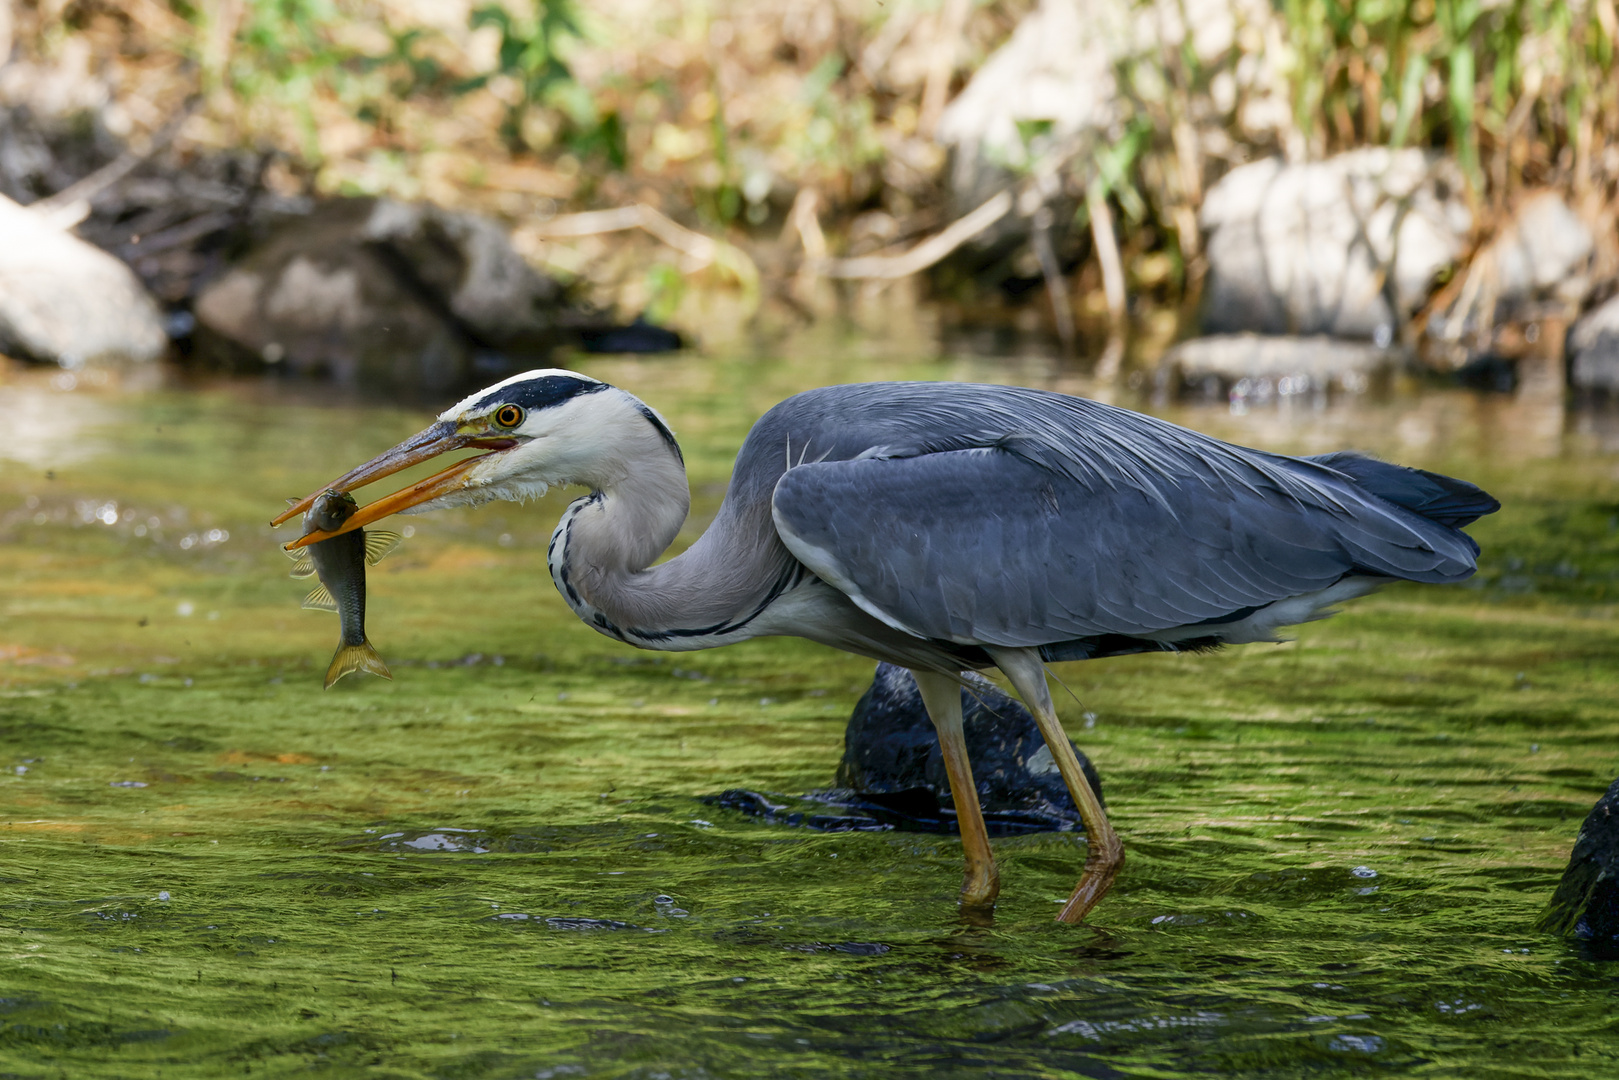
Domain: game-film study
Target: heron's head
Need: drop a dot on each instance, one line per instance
(536, 429)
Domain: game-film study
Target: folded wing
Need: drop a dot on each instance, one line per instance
(1015, 545)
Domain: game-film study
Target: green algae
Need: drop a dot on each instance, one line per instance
(498, 865)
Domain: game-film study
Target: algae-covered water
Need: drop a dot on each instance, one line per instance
(499, 864)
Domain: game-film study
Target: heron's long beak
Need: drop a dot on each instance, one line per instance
(441, 438)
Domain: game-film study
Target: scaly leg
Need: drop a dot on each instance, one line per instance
(1028, 675)
(942, 696)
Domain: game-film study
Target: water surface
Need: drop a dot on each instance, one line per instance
(498, 865)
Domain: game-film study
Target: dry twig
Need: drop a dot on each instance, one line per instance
(925, 254)
(701, 250)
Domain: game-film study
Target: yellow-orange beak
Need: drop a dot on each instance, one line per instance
(441, 438)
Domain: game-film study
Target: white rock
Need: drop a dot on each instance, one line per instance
(1059, 65)
(1321, 361)
(1546, 247)
(1593, 347)
(1543, 253)
(1307, 249)
(64, 300)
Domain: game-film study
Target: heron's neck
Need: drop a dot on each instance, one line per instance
(603, 548)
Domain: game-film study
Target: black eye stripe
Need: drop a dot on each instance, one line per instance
(544, 392)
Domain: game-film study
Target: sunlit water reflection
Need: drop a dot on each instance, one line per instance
(500, 864)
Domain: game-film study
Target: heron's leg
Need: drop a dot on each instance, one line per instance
(1028, 674)
(942, 696)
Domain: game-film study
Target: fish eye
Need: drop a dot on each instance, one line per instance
(509, 416)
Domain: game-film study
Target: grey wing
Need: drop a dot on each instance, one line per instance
(987, 546)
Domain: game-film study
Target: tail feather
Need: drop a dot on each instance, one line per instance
(1442, 499)
(351, 658)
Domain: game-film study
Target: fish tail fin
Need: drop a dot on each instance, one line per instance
(351, 658)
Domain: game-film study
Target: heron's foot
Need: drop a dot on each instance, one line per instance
(981, 885)
(1103, 865)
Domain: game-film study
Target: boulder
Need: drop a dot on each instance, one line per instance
(1593, 349)
(891, 747)
(378, 293)
(1526, 283)
(1052, 89)
(1543, 254)
(1586, 903)
(1337, 247)
(63, 301)
(1056, 70)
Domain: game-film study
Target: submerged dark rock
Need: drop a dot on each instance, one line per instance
(892, 775)
(1586, 903)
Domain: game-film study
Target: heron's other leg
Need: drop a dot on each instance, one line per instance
(1028, 675)
(942, 696)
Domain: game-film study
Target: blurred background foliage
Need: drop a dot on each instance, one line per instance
(720, 113)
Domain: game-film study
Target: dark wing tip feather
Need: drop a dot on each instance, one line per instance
(1442, 499)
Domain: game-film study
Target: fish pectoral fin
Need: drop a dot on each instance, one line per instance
(351, 658)
(378, 544)
(320, 599)
(302, 564)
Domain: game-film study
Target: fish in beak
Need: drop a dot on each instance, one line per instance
(441, 438)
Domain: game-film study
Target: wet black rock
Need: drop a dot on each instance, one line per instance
(1586, 903)
(892, 775)
(890, 748)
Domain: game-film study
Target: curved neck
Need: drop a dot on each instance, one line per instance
(602, 550)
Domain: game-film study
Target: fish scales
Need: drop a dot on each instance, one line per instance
(340, 564)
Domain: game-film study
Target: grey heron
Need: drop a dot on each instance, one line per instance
(944, 528)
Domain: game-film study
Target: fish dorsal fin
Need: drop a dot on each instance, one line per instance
(378, 544)
(293, 502)
(320, 599)
(302, 564)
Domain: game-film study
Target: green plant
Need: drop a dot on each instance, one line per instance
(1523, 77)
(531, 54)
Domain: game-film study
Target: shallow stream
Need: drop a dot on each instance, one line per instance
(498, 865)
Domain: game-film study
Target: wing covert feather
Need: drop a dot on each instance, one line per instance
(990, 546)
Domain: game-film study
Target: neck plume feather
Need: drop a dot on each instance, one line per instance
(640, 501)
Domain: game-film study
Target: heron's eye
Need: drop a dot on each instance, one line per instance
(508, 416)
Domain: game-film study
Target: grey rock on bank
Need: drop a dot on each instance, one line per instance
(1586, 903)
(1593, 349)
(1335, 247)
(63, 301)
(382, 294)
